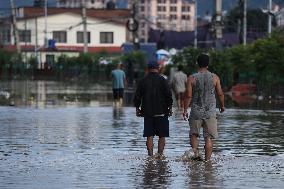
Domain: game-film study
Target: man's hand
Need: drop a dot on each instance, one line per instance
(222, 109)
(138, 112)
(185, 115)
(170, 112)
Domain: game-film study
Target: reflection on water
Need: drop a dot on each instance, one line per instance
(51, 93)
(201, 174)
(100, 146)
(156, 173)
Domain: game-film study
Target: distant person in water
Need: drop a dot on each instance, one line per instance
(118, 84)
(153, 101)
(178, 85)
(200, 93)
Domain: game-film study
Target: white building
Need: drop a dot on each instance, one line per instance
(175, 15)
(106, 31)
(280, 18)
(97, 4)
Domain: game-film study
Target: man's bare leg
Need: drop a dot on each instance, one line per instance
(208, 148)
(161, 145)
(194, 144)
(120, 101)
(149, 144)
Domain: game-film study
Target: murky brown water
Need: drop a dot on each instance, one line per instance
(64, 143)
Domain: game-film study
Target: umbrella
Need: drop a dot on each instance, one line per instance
(163, 52)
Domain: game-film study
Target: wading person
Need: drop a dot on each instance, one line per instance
(200, 93)
(118, 84)
(153, 101)
(178, 85)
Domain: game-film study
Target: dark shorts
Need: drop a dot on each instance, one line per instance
(158, 126)
(118, 93)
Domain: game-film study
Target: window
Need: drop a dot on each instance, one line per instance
(6, 36)
(185, 17)
(142, 9)
(106, 37)
(60, 36)
(50, 60)
(173, 17)
(80, 37)
(25, 35)
(173, 9)
(185, 9)
(161, 1)
(173, 1)
(162, 8)
(92, 1)
(162, 16)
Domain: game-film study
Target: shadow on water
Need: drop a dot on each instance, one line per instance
(70, 136)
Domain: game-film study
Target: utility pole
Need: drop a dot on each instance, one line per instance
(45, 25)
(195, 24)
(15, 28)
(269, 17)
(84, 21)
(135, 33)
(245, 22)
(218, 24)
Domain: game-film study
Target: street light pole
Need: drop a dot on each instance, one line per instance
(15, 28)
(245, 23)
(84, 18)
(195, 24)
(269, 17)
(45, 24)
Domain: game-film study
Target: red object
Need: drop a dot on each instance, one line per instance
(243, 89)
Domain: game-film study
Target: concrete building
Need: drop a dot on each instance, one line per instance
(106, 31)
(96, 4)
(280, 18)
(174, 15)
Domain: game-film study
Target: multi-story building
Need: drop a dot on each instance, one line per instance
(175, 15)
(97, 4)
(280, 18)
(106, 31)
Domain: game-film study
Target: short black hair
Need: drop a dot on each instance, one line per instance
(180, 67)
(203, 60)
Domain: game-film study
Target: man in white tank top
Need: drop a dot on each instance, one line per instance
(200, 93)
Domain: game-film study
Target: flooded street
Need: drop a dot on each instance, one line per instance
(54, 135)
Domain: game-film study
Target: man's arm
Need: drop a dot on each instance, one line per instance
(124, 80)
(137, 100)
(220, 94)
(168, 97)
(187, 96)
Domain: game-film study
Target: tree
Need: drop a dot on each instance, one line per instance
(256, 20)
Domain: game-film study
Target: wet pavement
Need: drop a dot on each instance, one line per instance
(95, 145)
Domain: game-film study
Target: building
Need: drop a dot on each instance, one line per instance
(280, 18)
(96, 4)
(174, 15)
(106, 31)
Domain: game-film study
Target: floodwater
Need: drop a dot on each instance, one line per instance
(55, 135)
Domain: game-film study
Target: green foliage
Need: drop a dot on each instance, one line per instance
(138, 59)
(262, 63)
(6, 57)
(220, 64)
(187, 57)
(269, 62)
(256, 20)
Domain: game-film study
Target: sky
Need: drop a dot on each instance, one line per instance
(203, 5)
